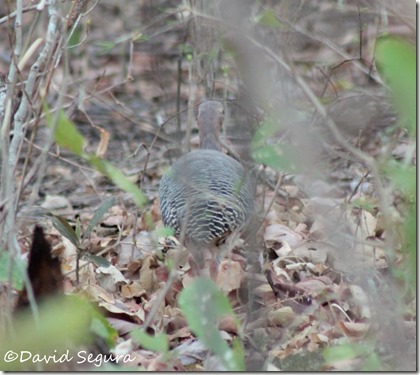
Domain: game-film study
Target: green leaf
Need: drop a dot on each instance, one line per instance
(344, 352)
(275, 156)
(102, 328)
(164, 232)
(186, 49)
(281, 157)
(67, 136)
(119, 179)
(269, 18)
(61, 321)
(63, 226)
(157, 343)
(17, 278)
(203, 304)
(134, 35)
(78, 229)
(396, 61)
(137, 36)
(403, 177)
(365, 203)
(65, 133)
(212, 54)
(148, 219)
(238, 354)
(75, 37)
(410, 246)
(372, 363)
(106, 46)
(142, 38)
(97, 260)
(265, 132)
(100, 211)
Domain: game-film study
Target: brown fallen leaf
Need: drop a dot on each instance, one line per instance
(362, 223)
(285, 289)
(282, 317)
(312, 251)
(110, 278)
(57, 204)
(229, 324)
(315, 284)
(148, 280)
(122, 326)
(103, 143)
(317, 340)
(97, 293)
(135, 247)
(133, 290)
(281, 239)
(191, 351)
(230, 276)
(181, 333)
(119, 308)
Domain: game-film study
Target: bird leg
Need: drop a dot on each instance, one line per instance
(197, 260)
(197, 267)
(194, 265)
(220, 251)
(214, 268)
(199, 254)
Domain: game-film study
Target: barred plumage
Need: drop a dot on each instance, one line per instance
(206, 194)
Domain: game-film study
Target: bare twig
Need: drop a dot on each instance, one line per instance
(28, 8)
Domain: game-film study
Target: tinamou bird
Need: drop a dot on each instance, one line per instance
(207, 197)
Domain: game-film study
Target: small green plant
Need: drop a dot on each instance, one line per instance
(77, 236)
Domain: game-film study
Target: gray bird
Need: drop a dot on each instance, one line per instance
(207, 197)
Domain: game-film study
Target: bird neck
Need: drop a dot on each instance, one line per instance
(210, 141)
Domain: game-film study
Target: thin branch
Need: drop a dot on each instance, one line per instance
(29, 8)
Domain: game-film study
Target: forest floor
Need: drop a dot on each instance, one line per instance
(302, 283)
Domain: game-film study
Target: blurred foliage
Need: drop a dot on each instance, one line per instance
(366, 203)
(100, 327)
(282, 157)
(396, 60)
(203, 304)
(63, 323)
(107, 46)
(304, 361)
(157, 343)
(66, 135)
(363, 352)
(15, 266)
(268, 18)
